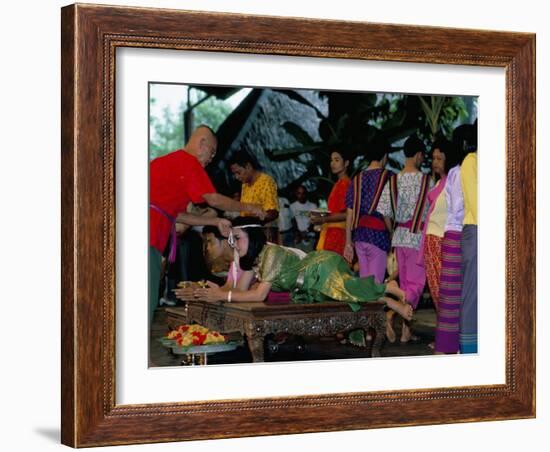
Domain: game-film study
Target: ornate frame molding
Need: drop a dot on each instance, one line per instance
(90, 36)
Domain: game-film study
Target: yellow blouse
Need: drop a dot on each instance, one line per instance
(262, 191)
(438, 217)
(468, 178)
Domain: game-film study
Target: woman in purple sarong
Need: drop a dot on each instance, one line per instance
(450, 284)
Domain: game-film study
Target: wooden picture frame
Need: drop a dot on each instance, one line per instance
(90, 36)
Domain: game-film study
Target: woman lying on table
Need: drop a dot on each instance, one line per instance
(314, 277)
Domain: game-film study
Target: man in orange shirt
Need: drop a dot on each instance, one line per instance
(175, 180)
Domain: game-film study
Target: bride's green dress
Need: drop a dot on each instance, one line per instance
(319, 276)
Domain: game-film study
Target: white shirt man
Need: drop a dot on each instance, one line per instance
(300, 211)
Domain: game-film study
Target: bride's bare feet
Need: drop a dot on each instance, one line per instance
(393, 288)
(405, 310)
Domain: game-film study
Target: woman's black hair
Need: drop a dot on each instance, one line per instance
(413, 146)
(377, 148)
(452, 155)
(256, 240)
(465, 138)
(242, 158)
(344, 153)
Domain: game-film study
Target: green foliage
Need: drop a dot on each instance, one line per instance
(454, 112)
(432, 110)
(211, 112)
(167, 131)
(442, 115)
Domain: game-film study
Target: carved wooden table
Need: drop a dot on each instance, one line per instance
(256, 320)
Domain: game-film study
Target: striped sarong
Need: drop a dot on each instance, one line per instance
(450, 294)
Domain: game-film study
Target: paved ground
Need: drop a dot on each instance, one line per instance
(307, 348)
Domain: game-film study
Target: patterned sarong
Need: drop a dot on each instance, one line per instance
(432, 261)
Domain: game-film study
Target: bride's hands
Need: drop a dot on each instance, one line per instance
(185, 290)
(211, 293)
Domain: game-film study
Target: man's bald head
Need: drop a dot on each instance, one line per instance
(202, 144)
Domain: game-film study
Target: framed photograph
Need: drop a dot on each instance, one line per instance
(301, 154)
(303, 105)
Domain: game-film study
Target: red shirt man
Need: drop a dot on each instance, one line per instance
(176, 179)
